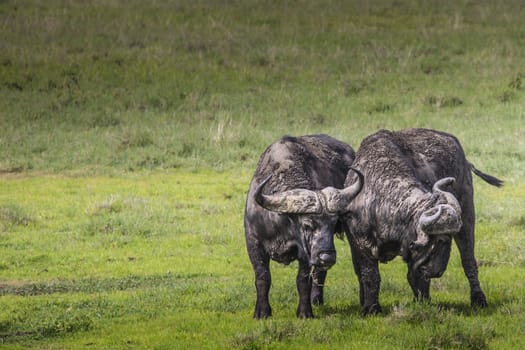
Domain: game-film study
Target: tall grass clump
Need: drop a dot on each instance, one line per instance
(13, 215)
(119, 216)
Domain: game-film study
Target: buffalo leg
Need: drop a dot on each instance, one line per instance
(420, 285)
(367, 271)
(465, 243)
(261, 265)
(304, 287)
(318, 279)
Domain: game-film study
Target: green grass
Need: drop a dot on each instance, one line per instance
(129, 131)
(157, 260)
(126, 85)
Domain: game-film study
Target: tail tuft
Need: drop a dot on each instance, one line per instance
(494, 181)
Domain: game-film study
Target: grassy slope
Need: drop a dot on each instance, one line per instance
(130, 131)
(103, 85)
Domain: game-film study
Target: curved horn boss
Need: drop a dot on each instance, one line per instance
(303, 201)
(297, 201)
(444, 218)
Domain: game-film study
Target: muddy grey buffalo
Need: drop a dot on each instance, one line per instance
(292, 211)
(417, 197)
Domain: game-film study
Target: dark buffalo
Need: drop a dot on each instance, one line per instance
(292, 211)
(417, 196)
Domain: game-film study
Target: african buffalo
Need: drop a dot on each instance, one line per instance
(292, 213)
(416, 197)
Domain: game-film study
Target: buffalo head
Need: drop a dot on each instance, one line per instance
(315, 215)
(435, 228)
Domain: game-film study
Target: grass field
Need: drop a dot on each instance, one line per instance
(129, 131)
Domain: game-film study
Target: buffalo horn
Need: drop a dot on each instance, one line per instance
(447, 196)
(337, 201)
(297, 201)
(428, 217)
(303, 201)
(431, 216)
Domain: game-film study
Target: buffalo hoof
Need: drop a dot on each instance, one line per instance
(371, 310)
(262, 313)
(478, 300)
(422, 299)
(305, 313)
